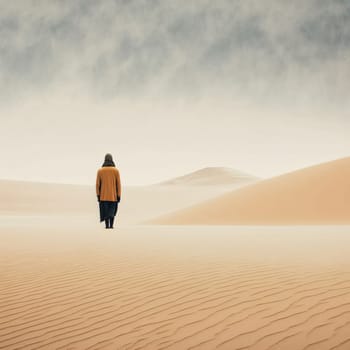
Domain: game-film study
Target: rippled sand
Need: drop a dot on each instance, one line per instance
(74, 285)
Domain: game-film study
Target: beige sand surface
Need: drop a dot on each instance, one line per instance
(314, 195)
(66, 283)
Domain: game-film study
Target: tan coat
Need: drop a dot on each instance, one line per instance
(108, 185)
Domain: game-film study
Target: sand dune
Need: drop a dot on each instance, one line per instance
(139, 203)
(314, 195)
(145, 202)
(212, 176)
(71, 286)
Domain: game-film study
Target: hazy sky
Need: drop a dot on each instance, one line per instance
(171, 86)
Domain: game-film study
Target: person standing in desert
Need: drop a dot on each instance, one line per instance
(108, 190)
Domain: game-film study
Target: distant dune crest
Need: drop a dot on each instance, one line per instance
(211, 176)
(315, 195)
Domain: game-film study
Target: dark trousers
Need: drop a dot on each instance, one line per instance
(109, 222)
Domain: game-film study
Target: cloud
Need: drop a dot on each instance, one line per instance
(180, 48)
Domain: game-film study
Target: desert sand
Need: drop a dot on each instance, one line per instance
(67, 283)
(315, 195)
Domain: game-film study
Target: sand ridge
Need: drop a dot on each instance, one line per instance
(315, 195)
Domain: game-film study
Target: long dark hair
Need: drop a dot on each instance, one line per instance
(108, 160)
